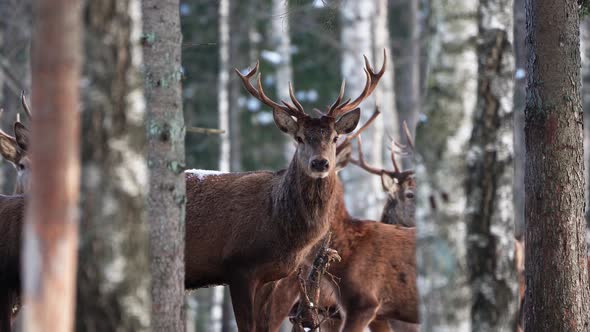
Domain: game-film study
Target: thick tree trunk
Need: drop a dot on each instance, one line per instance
(357, 19)
(166, 131)
(585, 52)
(441, 141)
(489, 212)
(114, 273)
(51, 228)
(519, 102)
(557, 297)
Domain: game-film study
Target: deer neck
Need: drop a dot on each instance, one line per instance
(302, 201)
(389, 215)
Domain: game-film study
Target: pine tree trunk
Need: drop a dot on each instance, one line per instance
(489, 212)
(557, 296)
(357, 21)
(51, 228)
(165, 127)
(114, 274)
(441, 141)
(519, 103)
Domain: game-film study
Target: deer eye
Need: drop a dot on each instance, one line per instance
(21, 167)
(335, 139)
(299, 139)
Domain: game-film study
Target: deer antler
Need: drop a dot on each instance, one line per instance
(339, 107)
(295, 110)
(404, 150)
(26, 108)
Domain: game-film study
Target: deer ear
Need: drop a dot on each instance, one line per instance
(348, 121)
(343, 157)
(285, 122)
(8, 147)
(387, 182)
(22, 136)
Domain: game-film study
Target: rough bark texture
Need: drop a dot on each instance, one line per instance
(51, 227)
(356, 38)
(165, 131)
(441, 141)
(114, 273)
(489, 211)
(557, 296)
(585, 53)
(519, 101)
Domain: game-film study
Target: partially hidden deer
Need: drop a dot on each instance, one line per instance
(376, 277)
(247, 229)
(12, 209)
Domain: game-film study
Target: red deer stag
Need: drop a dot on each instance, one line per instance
(14, 150)
(400, 185)
(377, 276)
(246, 229)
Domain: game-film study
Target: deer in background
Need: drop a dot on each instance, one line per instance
(377, 275)
(246, 229)
(14, 149)
(12, 209)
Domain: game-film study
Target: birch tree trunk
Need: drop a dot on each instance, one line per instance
(441, 141)
(557, 297)
(165, 127)
(114, 273)
(357, 19)
(519, 103)
(489, 211)
(51, 227)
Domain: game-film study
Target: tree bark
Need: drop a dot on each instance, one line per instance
(114, 273)
(519, 103)
(585, 53)
(165, 127)
(557, 297)
(51, 226)
(357, 19)
(489, 212)
(441, 141)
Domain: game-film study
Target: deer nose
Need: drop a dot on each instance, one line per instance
(320, 165)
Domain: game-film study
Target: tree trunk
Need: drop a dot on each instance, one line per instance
(357, 19)
(490, 222)
(409, 63)
(385, 92)
(223, 84)
(519, 101)
(51, 228)
(114, 273)
(585, 52)
(557, 297)
(165, 127)
(441, 141)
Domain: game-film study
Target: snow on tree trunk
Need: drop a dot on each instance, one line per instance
(441, 141)
(114, 272)
(489, 211)
(357, 21)
(166, 131)
(51, 227)
(557, 297)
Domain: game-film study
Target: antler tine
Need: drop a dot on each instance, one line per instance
(339, 99)
(408, 136)
(370, 85)
(259, 94)
(26, 108)
(393, 161)
(294, 100)
(361, 161)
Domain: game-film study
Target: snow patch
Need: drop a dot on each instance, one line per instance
(202, 173)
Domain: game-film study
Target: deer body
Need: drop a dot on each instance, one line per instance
(11, 224)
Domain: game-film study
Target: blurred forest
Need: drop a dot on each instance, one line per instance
(314, 44)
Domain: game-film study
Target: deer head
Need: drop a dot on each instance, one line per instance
(14, 149)
(316, 137)
(400, 185)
